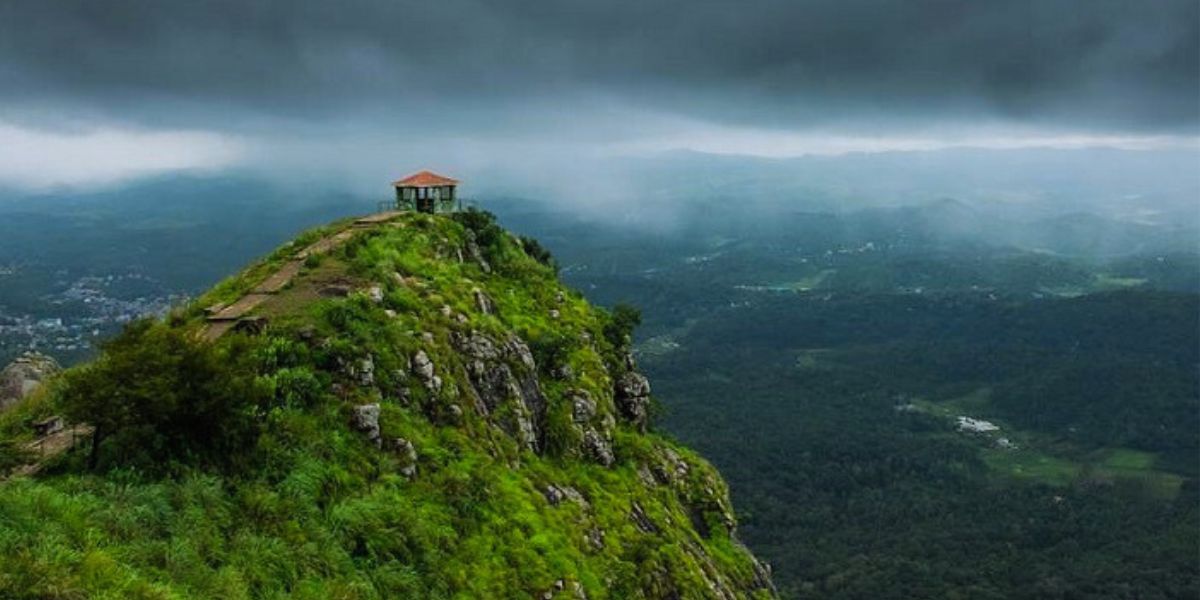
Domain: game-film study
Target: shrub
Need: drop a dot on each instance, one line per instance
(488, 235)
(550, 351)
(538, 252)
(12, 455)
(157, 394)
(298, 387)
(621, 323)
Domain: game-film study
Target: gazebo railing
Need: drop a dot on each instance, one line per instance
(445, 205)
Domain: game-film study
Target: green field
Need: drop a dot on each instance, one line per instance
(1032, 465)
(1053, 461)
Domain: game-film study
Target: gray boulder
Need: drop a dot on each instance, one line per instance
(583, 407)
(365, 418)
(557, 494)
(515, 346)
(407, 454)
(482, 302)
(475, 254)
(632, 395)
(366, 371)
(641, 520)
(597, 447)
(422, 367)
(25, 375)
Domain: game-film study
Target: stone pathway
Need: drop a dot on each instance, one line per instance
(281, 278)
(52, 445)
(324, 245)
(378, 217)
(227, 317)
(216, 329)
(239, 309)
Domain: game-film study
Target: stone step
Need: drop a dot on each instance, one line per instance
(282, 277)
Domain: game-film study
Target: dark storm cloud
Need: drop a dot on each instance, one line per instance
(1092, 64)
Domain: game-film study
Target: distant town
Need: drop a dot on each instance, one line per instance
(76, 313)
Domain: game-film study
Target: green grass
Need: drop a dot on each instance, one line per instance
(1128, 460)
(974, 402)
(232, 288)
(1031, 465)
(1139, 466)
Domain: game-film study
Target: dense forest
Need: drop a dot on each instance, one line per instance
(823, 363)
(834, 422)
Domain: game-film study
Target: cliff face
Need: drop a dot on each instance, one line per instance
(436, 416)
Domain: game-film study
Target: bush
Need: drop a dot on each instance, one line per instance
(12, 455)
(488, 235)
(157, 394)
(621, 323)
(550, 351)
(538, 252)
(298, 387)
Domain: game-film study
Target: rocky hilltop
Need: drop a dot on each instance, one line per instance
(419, 410)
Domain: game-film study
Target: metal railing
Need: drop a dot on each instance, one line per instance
(439, 206)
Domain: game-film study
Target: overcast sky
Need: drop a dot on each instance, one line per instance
(120, 87)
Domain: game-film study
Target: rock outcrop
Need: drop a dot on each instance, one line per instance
(503, 378)
(632, 393)
(365, 418)
(25, 375)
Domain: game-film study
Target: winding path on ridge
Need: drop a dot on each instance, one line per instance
(220, 322)
(226, 318)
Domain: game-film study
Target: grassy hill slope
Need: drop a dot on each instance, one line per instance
(427, 413)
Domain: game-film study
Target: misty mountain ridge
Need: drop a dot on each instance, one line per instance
(177, 234)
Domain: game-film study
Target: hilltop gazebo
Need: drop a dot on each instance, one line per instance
(427, 192)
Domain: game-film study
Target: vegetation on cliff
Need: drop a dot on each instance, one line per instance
(427, 413)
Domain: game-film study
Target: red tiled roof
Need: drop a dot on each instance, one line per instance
(424, 179)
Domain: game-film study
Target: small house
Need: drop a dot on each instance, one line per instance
(427, 192)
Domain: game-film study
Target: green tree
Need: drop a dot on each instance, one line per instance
(621, 323)
(157, 394)
(535, 250)
(483, 224)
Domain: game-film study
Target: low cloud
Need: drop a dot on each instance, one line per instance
(34, 158)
